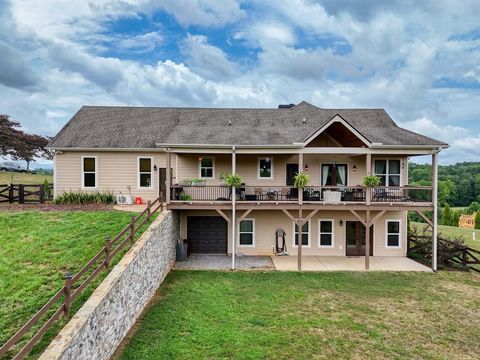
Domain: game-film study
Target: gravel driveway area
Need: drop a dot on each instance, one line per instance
(223, 262)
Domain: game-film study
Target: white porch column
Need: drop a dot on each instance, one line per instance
(367, 241)
(168, 172)
(234, 202)
(435, 209)
(300, 215)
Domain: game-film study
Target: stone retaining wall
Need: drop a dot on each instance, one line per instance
(96, 330)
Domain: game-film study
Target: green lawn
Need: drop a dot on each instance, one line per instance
(453, 232)
(342, 315)
(36, 248)
(23, 178)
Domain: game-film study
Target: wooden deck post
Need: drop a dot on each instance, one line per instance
(367, 241)
(234, 204)
(300, 215)
(368, 192)
(435, 209)
(168, 182)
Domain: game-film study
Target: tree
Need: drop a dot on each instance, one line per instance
(19, 145)
(456, 217)
(10, 135)
(472, 208)
(477, 220)
(31, 147)
(446, 216)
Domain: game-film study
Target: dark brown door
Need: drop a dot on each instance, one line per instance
(162, 175)
(291, 171)
(207, 234)
(355, 239)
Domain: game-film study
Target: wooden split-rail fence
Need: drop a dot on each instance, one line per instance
(465, 256)
(76, 283)
(26, 193)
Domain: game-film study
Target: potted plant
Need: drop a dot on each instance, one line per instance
(233, 180)
(371, 181)
(223, 177)
(301, 180)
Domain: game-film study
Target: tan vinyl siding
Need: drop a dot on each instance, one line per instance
(247, 166)
(115, 172)
(267, 222)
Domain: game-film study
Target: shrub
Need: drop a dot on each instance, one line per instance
(80, 198)
(446, 216)
(456, 217)
(46, 189)
(301, 180)
(371, 181)
(185, 197)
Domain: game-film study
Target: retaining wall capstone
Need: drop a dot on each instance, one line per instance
(96, 330)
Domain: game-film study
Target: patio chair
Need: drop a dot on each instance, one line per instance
(258, 193)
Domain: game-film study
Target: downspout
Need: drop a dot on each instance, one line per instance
(435, 208)
(234, 202)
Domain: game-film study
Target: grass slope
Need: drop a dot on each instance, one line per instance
(36, 248)
(454, 232)
(275, 315)
(23, 178)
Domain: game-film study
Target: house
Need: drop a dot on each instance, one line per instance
(182, 153)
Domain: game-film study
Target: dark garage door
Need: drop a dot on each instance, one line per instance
(208, 234)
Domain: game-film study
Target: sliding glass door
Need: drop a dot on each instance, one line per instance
(334, 175)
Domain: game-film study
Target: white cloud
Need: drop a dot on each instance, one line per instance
(207, 60)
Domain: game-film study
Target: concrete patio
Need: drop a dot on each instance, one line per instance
(342, 263)
(309, 263)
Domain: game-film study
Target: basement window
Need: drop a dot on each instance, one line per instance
(89, 172)
(392, 233)
(325, 233)
(305, 234)
(247, 233)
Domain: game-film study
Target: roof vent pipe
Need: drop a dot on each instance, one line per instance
(229, 122)
(304, 121)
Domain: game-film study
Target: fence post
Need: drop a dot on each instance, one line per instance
(67, 304)
(132, 229)
(464, 258)
(107, 252)
(42, 195)
(149, 204)
(10, 194)
(21, 194)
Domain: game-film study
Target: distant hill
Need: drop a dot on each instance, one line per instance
(459, 184)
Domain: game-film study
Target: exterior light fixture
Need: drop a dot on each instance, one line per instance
(354, 168)
(154, 167)
(306, 167)
(341, 222)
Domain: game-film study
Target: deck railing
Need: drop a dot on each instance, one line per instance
(401, 194)
(325, 194)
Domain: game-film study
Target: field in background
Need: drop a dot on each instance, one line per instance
(23, 178)
(453, 232)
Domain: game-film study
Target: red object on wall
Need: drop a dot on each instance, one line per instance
(138, 200)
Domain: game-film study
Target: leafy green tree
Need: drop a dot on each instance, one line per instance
(477, 220)
(446, 216)
(456, 217)
(473, 207)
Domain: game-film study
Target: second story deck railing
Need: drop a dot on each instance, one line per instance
(325, 194)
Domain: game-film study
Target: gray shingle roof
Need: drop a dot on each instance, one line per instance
(144, 127)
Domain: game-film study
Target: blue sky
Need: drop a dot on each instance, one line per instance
(420, 60)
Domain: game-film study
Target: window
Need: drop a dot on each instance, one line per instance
(265, 168)
(145, 172)
(89, 172)
(246, 233)
(388, 171)
(325, 233)
(206, 168)
(393, 233)
(305, 234)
